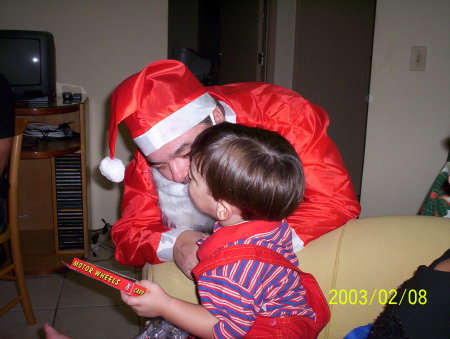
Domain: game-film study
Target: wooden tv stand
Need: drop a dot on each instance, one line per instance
(53, 213)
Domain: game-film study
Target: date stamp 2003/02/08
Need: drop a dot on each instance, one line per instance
(381, 296)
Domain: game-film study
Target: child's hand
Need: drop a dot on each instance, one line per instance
(151, 303)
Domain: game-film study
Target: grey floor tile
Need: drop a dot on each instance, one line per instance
(8, 292)
(97, 322)
(43, 290)
(13, 324)
(82, 291)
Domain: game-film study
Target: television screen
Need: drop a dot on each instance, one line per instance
(24, 59)
(27, 60)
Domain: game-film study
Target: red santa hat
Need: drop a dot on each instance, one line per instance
(157, 105)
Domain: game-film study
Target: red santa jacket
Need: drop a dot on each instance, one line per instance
(329, 200)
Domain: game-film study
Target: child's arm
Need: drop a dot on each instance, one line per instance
(192, 318)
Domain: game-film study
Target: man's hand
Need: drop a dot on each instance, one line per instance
(185, 251)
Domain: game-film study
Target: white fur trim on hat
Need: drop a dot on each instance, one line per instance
(113, 169)
(176, 124)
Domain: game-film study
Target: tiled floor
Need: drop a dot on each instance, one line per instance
(77, 306)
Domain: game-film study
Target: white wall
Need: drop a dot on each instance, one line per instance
(409, 116)
(98, 44)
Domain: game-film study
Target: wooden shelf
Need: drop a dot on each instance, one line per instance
(51, 148)
(56, 107)
(52, 184)
(39, 255)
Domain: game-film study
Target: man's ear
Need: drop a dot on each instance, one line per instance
(224, 210)
(218, 116)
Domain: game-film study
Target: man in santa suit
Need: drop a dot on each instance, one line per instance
(164, 108)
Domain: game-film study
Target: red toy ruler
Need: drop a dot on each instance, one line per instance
(107, 277)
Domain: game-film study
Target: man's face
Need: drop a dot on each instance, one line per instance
(172, 160)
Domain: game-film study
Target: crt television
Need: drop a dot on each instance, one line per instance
(27, 60)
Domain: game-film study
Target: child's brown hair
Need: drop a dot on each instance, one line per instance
(256, 170)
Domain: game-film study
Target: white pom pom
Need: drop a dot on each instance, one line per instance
(113, 169)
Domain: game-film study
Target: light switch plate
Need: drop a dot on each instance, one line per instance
(418, 58)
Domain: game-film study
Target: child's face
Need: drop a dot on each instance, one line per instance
(200, 195)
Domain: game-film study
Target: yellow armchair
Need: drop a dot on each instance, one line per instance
(356, 265)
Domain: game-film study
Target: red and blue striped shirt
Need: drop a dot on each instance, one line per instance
(237, 293)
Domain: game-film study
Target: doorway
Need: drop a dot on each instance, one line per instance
(332, 55)
(233, 34)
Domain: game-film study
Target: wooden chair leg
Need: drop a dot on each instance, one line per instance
(13, 224)
(23, 292)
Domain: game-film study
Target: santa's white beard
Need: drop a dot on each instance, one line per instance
(176, 205)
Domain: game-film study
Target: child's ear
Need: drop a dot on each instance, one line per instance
(224, 210)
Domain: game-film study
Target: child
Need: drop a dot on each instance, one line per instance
(249, 180)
